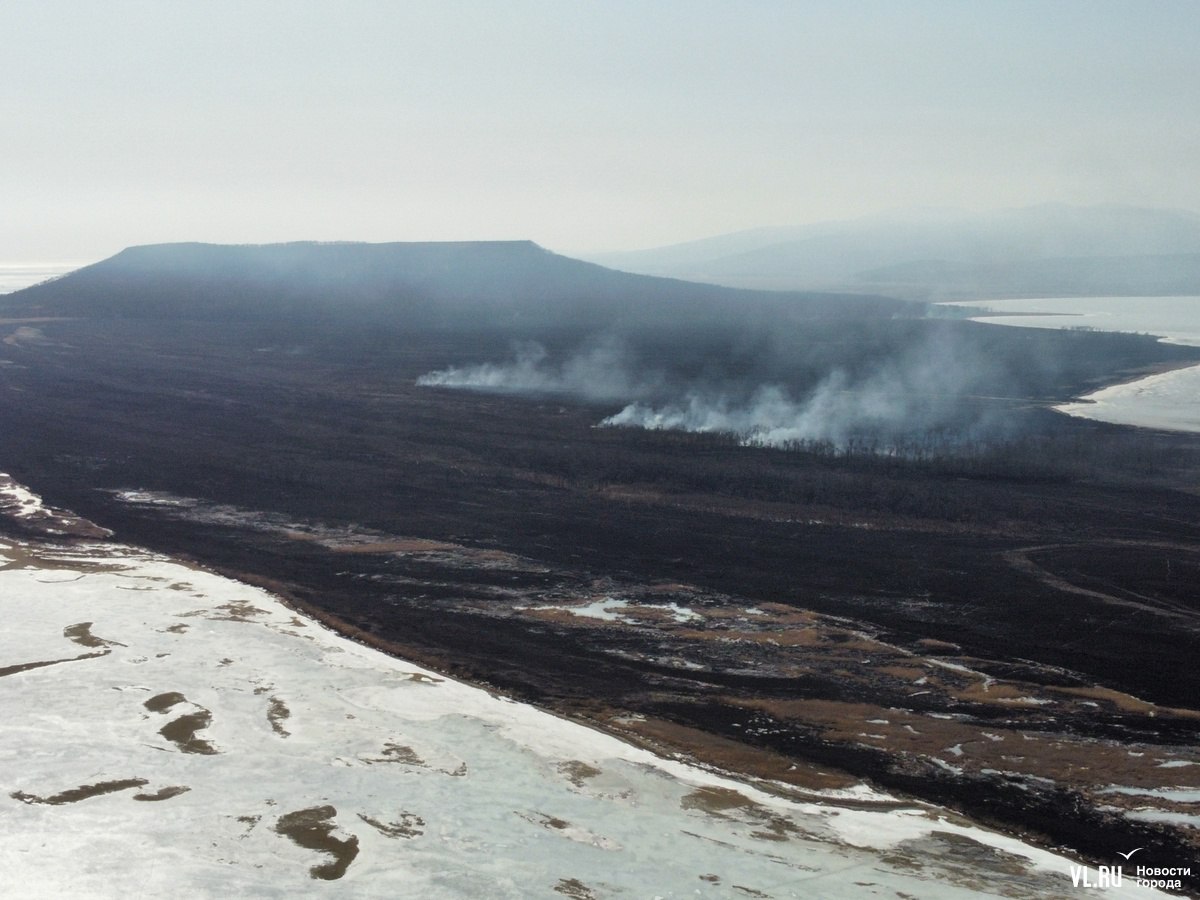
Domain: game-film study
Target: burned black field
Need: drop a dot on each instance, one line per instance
(1006, 623)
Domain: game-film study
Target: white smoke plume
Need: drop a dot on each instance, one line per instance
(835, 412)
(895, 403)
(602, 372)
(887, 405)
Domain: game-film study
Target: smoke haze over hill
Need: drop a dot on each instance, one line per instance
(884, 384)
(772, 368)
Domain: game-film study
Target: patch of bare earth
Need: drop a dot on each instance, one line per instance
(277, 714)
(575, 889)
(971, 864)
(239, 611)
(577, 772)
(729, 803)
(409, 825)
(162, 702)
(165, 793)
(181, 731)
(312, 829)
(673, 739)
(25, 667)
(82, 635)
(398, 753)
(83, 792)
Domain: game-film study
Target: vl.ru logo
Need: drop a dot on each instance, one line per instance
(1103, 877)
(1163, 878)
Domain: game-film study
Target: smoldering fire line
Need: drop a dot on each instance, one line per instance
(897, 401)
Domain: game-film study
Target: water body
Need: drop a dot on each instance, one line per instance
(1169, 400)
(14, 276)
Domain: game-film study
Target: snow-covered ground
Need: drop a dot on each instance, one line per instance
(169, 732)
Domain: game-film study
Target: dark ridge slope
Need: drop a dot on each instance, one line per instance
(469, 284)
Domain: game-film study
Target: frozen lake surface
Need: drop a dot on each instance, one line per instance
(1169, 400)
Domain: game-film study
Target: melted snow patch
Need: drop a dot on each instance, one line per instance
(615, 609)
(1179, 795)
(1190, 820)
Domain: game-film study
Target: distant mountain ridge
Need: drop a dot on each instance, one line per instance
(437, 284)
(938, 254)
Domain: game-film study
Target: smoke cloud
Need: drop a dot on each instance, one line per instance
(884, 403)
(601, 372)
(834, 412)
(897, 403)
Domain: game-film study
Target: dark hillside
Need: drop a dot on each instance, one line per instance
(512, 284)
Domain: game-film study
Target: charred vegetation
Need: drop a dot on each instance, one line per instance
(1013, 570)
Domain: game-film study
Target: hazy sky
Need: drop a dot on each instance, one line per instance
(584, 126)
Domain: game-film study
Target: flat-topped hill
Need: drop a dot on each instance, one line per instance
(436, 284)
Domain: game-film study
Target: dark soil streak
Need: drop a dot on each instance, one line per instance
(25, 667)
(277, 714)
(163, 793)
(83, 792)
(82, 635)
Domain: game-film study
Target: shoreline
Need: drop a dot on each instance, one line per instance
(1107, 404)
(793, 779)
(676, 758)
(788, 778)
(867, 827)
(1098, 405)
